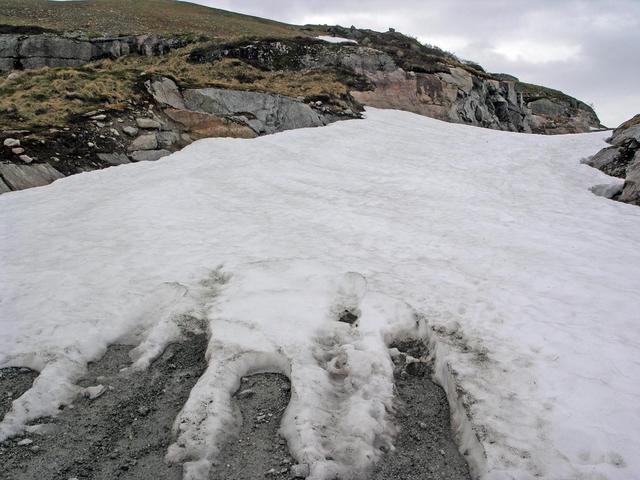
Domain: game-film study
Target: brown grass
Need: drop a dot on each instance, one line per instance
(48, 97)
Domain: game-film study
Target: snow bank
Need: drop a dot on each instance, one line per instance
(330, 39)
(489, 244)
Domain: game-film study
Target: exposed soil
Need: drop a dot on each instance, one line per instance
(124, 433)
(258, 451)
(13, 383)
(424, 446)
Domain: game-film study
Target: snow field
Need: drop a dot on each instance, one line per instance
(522, 281)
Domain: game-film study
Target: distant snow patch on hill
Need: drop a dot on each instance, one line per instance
(330, 39)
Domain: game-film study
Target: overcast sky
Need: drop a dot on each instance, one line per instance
(587, 48)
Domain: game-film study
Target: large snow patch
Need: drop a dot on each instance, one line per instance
(487, 243)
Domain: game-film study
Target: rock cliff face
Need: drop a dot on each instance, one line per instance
(622, 159)
(391, 70)
(20, 51)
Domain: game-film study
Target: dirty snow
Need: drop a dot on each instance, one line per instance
(330, 39)
(488, 244)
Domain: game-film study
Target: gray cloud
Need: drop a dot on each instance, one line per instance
(587, 48)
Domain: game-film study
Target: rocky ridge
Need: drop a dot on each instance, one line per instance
(391, 70)
(19, 51)
(384, 70)
(621, 159)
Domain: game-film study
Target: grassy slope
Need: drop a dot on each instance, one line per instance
(138, 16)
(47, 97)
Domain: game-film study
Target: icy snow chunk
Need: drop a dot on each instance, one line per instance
(330, 39)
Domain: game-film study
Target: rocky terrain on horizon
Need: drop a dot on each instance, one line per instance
(621, 160)
(75, 98)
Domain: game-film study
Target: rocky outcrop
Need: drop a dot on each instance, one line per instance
(264, 113)
(390, 70)
(622, 159)
(18, 51)
(215, 112)
(20, 177)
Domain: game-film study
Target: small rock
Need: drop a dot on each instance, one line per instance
(260, 418)
(131, 131)
(17, 151)
(26, 158)
(270, 472)
(143, 410)
(26, 441)
(166, 139)
(148, 123)
(144, 142)
(150, 156)
(100, 117)
(94, 392)
(300, 470)
(91, 144)
(422, 425)
(11, 142)
(114, 132)
(100, 124)
(35, 449)
(13, 76)
(55, 159)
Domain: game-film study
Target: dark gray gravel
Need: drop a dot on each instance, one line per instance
(122, 434)
(258, 451)
(13, 383)
(425, 449)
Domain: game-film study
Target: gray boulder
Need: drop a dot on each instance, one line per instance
(546, 107)
(114, 158)
(167, 139)
(604, 158)
(20, 177)
(4, 188)
(631, 190)
(149, 155)
(144, 142)
(131, 131)
(631, 133)
(165, 92)
(264, 113)
(148, 123)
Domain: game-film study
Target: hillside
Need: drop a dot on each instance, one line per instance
(123, 17)
(84, 85)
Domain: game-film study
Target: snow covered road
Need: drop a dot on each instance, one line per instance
(488, 243)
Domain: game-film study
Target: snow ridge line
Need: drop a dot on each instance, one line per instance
(463, 432)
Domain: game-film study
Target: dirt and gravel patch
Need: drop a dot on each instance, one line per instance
(13, 383)
(258, 451)
(124, 433)
(424, 446)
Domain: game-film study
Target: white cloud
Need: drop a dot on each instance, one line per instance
(530, 51)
